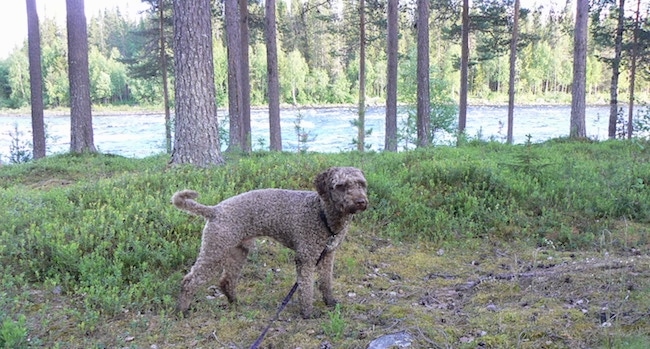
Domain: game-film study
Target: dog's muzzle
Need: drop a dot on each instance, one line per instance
(359, 205)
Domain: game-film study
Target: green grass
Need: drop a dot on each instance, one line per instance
(500, 246)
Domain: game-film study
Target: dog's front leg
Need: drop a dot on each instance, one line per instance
(305, 271)
(326, 269)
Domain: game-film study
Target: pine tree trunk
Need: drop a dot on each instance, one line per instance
(423, 92)
(196, 139)
(81, 125)
(163, 68)
(579, 86)
(245, 106)
(233, 38)
(633, 59)
(464, 67)
(272, 77)
(513, 70)
(35, 80)
(616, 63)
(390, 142)
(361, 127)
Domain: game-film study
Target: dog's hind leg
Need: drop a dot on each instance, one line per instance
(202, 271)
(232, 266)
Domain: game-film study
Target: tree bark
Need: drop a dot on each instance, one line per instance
(244, 79)
(513, 71)
(81, 125)
(196, 139)
(390, 142)
(163, 68)
(633, 59)
(361, 127)
(464, 67)
(272, 77)
(233, 39)
(616, 64)
(423, 92)
(35, 80)
(578, 89)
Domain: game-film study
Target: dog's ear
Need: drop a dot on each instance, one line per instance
(322, 182)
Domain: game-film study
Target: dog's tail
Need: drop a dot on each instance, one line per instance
(184, 200)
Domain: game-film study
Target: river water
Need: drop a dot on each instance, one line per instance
(329, 129)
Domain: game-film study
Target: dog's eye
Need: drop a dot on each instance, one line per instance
(340, 187)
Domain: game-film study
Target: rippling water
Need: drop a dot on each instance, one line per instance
(331, 129)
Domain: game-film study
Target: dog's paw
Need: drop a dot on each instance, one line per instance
(310, 314)
(182, 310)
(331, 302)
(181, 314)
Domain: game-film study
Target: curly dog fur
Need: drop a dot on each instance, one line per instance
(305, 221)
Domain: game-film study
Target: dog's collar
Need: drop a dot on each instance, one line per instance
(323, 218)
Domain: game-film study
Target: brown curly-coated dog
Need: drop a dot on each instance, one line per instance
(304, 221)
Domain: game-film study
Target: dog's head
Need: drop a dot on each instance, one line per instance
(343, 187)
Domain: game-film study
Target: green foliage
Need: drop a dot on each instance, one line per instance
(18, 79)
(335, 327)
(443, 110)
(55, 64)
(318, 56)
(640, 123)
(628, 342)
(221, 72)
(258, 81)
(5, 86)
(101, 227)
(99, 231)
(19, 148)
(13, 334)
(304, 136)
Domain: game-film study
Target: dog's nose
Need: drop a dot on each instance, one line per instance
(361, 203)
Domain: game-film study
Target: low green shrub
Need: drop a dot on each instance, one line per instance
(335, 327)
(13, 334)
(108, 233)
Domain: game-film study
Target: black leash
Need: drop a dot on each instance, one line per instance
(277, 315)
(287, 298)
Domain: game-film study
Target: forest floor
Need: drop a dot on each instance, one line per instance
(481, 294)
(480, 246)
